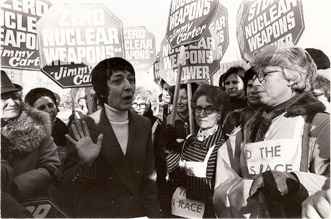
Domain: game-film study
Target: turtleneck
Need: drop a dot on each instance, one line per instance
(119, 121)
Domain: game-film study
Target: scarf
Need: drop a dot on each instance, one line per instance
(301, 104)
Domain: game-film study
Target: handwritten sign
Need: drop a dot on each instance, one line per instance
(262, 23)
(18, 37)
(74, 38)
(188, 20)
(139, 44)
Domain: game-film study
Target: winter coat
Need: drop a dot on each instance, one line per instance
(118, 185)
(27, 145)
(235, 169)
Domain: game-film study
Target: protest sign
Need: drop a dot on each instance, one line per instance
(200, 62)
(44, 208)
(74, 38)
(139, 44)
(261, 23)
(184, 207)
(189, 20)
(220, 25)
(18, 33)
(156, 69)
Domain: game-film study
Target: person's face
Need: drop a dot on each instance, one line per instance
(10, 106)
(205, 120)
(234, 86)
(165, 93)
(182, 103)
(139, 106)
(121, 87)
(252, 95)
(272, 87)
(46, 104)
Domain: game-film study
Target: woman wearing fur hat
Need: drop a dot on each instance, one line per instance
(26, 145)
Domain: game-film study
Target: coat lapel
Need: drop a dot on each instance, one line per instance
(112, 152)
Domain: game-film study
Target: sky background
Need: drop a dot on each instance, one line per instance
(153, 14)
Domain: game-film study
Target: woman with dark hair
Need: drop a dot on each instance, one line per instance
(44, 100)
(194, 164)
(232, 82)
(110, 163)
(239, 117)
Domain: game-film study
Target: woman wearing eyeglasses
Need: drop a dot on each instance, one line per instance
(142, 106)
(196, 161)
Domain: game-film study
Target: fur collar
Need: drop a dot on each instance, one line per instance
(302, 104)
(24, 134)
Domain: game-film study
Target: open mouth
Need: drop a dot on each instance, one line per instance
(127, 98)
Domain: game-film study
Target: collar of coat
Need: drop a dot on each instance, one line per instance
(301, 104)
(24, 134)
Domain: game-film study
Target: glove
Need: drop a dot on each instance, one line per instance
(168, 138)
(275, 183)
(281, 188)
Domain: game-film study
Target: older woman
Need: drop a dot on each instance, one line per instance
(197, 159)
(283, 153)
(26, 146)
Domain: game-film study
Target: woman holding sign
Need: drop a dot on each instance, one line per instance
(197, 158)
(283, 154)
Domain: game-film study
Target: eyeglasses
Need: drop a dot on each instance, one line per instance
(261, 75)
(140, 105)
(208, 110)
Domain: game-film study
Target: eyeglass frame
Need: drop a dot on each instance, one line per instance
(213, 109)
(261, 76)
(145, 105)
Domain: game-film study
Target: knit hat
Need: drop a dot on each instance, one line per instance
(7, 85)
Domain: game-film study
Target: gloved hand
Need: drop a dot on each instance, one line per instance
(281, 188)
(168, 137)
(280, 183)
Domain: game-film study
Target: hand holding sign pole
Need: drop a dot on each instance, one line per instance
(181, 61)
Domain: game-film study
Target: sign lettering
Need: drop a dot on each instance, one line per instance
(263, 23)
(188, 20)
(79, 38)
(139, 46)
(18, 33)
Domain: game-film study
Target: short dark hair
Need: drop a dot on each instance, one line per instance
(238, 70)
(33, 95)
(215, 96)
(249, 74)
(102, 72)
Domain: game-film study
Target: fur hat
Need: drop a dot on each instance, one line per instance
(7, 85)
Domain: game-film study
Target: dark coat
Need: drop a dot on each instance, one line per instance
(122, 186)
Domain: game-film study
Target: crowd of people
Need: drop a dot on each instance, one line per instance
(257, 145)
